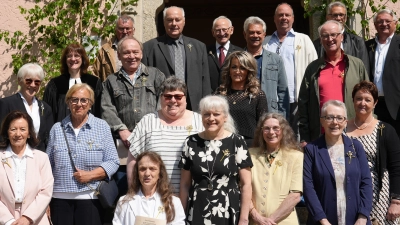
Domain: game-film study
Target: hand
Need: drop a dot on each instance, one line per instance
(303, 144)
(394, 210)
(82, 176)
(243, 221)
(261, 220)
(23, 220)
(48, 212)
(325, 222)
(362, 220)
(124, 134)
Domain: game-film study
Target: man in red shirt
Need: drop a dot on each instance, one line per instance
(331, 77)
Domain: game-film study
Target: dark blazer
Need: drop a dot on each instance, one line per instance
(319, 183)
(213, 63)
(156, 54)
(15, 102)
(352, 44)
(391, 72)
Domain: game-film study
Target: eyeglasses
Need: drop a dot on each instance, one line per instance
(36, 82)
(335, 15)
(222, 30)
(330, 118)
(122, 29)
(381, 22)
(327, 36)
(268, 129)
(84, 101)
(76, 56)
(169, 97)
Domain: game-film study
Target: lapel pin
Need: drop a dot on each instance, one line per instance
(5, 161)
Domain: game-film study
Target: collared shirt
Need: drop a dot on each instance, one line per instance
(73, 81)
(18, 166)
(34, 113)
(93, 147)
(380, 58)
(114, 46)
(259, 59)
(171, 42)
(135, 77)
(286, 51)
(226, 47)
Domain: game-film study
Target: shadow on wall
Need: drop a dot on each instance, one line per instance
(8, 86)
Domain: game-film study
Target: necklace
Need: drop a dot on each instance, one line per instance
(362, 128)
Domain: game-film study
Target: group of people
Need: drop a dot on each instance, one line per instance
(209, 135)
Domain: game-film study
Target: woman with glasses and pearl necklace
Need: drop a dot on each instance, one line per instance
(30, 77)
(381, 145)
(336, 178)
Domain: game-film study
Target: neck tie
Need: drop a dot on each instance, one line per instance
(179, 65)
(221, 55)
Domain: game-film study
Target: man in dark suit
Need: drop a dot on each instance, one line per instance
(352, 44)
(177, 55)
(222, 30)
(384, 58)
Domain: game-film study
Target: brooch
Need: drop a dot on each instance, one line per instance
(160, 210)
(5, 161)
(189, 128)
(380, 127)
(90, 143)
(350, 155)
(211, 54)
(143, 79)
(190, 46)
(226, 154)
(372, 46)
(298, 47)
(277, 163)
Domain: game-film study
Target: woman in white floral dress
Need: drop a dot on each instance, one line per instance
(212, 163)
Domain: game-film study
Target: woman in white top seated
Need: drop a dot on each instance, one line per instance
(149, 195)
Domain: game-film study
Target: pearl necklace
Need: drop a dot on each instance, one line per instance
(362, 128)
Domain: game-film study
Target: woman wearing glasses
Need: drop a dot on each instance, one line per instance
(29, 77)
(247, 102)
(74, 65)
(276, 176)
(337, 181)
(82, 153)
(381, 144)
(165, 130)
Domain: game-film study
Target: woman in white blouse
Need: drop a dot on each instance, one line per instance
(149, 196)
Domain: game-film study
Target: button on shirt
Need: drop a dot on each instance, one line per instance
(18, 166)
(34, 113)
(286, 51)
(380, 58)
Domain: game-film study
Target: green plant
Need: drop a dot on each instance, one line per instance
(55, 24)
(374, 6)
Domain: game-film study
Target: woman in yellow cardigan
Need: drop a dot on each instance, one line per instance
(277, 172)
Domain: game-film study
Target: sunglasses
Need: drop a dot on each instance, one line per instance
(169, 97)
(29, 82)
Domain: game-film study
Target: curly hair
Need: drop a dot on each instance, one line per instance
(164, 189)
(78, 48)
(288, 138)
(14, 115)
(246, 60)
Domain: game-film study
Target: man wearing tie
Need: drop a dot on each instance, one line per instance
(222, 30)
(177, 55)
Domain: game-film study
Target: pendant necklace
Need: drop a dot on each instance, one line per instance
(362, 128)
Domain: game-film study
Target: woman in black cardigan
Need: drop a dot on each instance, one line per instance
(74, 65)
(382, 147)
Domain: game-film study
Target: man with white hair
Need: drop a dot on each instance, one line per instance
(271, 71)
(331, 77)
(222, 30)
(177, 55)
(352, 44)
(384, 58)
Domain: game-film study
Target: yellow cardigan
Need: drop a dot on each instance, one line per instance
(272, 185)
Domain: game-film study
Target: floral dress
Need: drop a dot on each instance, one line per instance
(214, 196)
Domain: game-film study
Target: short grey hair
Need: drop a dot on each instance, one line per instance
(173, 83)
(33, 69)
(165, 11)
(336, 103)
(221, 17)
(218, 102)
(335, 4)
(119, 49)
(254, 20)
(125, 19)
(339, 24)
(284, 3)
(388, 11)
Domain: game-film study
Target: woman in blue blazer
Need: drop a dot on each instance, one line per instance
(336, 177)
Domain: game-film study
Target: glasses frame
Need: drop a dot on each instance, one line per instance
(225, 30)
(382, 22)
(276, 129)
(333, 36)
(72, 99)
(330, 118)
(340, 15)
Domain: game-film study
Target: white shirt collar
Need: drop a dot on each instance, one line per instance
(34, 101)
(28, 152)
(154, 196)
(226, 46)
(387, 39)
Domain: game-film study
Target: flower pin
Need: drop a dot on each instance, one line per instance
(251, 96)
(143, 79)
(190, 46)
(372, 46)
(277, 163)
(298, 47)
(189, 128)
(350, 155)
(380, 127)
(211, 54)
(226, 154)
(5, 161)
(42, 108)
(160, 210)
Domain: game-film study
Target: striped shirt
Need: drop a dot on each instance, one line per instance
(168, 141)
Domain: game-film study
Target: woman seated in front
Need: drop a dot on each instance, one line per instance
(149, 195)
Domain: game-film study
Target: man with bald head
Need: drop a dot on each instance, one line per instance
(331, 77)
(296, 50)
(352, 44)
(177, 55)
(221, 30)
